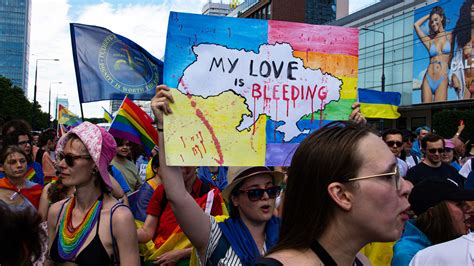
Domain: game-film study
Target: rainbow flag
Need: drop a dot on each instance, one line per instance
(30, 173)
(377, 104)
(133, 124)
(68, 118)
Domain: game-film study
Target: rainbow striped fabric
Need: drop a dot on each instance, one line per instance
(133, 124)
(66, 117)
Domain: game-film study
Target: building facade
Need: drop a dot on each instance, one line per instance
(216, 9)
(15, 18)
(304, 11)
(389, 26)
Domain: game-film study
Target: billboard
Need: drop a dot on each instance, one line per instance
(442, 56)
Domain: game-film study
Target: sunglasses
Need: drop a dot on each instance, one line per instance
(24, 142)
(70, 158)
(398, 144)
(433, 151)
(395, 174)
(256, 194)
(448, 149)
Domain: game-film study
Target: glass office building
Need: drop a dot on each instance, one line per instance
(15, 25)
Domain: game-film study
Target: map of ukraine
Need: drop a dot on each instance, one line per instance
(279, 87)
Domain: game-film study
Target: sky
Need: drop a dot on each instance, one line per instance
(143, 21)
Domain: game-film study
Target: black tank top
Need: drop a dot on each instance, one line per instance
(94, 254)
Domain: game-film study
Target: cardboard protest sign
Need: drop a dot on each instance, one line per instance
(248, 91)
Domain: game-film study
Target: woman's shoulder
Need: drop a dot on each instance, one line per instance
(293, 257)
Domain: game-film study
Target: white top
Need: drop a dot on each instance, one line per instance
(466, 168)
(411, 161)
(402, 167)
(459, 251)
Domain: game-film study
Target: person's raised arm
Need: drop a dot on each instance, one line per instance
(356, 116)
(192, 219)
(421, 34)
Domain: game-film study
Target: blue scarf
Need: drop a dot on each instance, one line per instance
(239, 237)
(218, 180)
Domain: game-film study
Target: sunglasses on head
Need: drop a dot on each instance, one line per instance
(70, 158)
(256, 194)
(439, 150)
(398, 144)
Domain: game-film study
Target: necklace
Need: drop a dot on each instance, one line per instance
(71, 239)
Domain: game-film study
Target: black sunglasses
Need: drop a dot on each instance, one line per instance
(439, 150)
(24, 142)
(70, 158)
(398, 144)
(256, 194)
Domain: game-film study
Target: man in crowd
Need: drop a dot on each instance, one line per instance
(125, 166)
(47, 143)
(432, 166)
(394, 140)
(421, 132)
(406, 154)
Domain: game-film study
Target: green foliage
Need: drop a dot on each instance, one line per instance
(15, 105)
(446, 123)
(94, 120)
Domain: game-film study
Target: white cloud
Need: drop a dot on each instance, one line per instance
(146, 24)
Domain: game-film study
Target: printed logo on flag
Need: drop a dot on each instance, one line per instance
(125, 69)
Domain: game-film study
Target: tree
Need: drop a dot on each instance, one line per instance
(15, 105)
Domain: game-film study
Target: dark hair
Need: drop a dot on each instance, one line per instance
(155, 162)
(430, 137)
(16, 124)
(439, 11)
(119, 141)
(437, 224)
(462, 30)
(327, 155)
(21, 234)
(391, 131)
(7, 150)
(12, 139)
(48, 134)
(57, 191)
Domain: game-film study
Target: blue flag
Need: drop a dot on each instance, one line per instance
(377, 104)
(109, 66)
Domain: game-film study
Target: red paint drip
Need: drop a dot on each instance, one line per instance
(184, 144)
(206, 124)
(254, 107)
(312, 110)
(287, 107)
(276, 119)
(201, 116)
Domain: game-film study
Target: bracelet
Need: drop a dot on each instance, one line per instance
(159, 129)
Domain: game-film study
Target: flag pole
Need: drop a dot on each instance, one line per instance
(118, 110)
(82, 111)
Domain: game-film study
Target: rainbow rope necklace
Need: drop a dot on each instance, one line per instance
(71, 239)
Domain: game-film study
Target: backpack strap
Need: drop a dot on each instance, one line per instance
(415, 158)
(115, 250)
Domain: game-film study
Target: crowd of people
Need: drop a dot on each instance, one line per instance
(351, 196)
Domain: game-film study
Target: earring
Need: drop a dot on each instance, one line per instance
(95, 172)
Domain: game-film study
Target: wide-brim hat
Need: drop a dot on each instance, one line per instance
(99, 143)
(237, 175)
